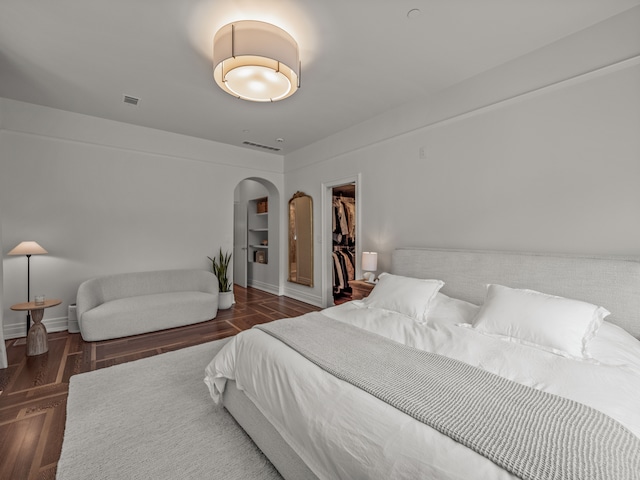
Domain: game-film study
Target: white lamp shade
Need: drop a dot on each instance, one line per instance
(28, 248)
(369, 261)
(255, 61)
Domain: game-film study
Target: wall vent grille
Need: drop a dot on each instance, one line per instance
(129, 100)
(266, 147)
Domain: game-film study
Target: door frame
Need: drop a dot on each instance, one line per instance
(273, 282)
(240, 230)
(327, 239)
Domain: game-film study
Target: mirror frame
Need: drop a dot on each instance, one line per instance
(292, 234)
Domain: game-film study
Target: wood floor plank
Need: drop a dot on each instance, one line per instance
(6, 374)
(34, 390)
(42, 444)
(246, 322)
(19, 404)
(51, 452)
(72, 366)
(48, 472)
(20, 440)
(37, 370)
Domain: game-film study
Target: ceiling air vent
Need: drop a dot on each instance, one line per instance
(130, 100)
(266, 147)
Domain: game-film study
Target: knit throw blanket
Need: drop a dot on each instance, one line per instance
(530, 433)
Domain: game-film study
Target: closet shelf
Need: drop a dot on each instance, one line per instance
(258, 231)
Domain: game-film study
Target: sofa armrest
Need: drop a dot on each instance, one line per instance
(89, 296)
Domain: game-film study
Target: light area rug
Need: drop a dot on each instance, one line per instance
(154, 419)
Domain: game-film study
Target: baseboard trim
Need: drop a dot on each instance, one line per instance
(18, 330)
(303, 297)
(265, 287)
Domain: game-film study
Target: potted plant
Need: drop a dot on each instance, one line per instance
(220, 267)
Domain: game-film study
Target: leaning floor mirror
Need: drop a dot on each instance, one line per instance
(301, 239)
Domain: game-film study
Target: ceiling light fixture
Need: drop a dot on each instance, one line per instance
(256, 61)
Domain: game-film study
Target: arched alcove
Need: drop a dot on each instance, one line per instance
(257, 244)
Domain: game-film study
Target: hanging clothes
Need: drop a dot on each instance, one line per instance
(340, 214)
(344, 220)
(343, 269)
(350, 209)
(344, 239)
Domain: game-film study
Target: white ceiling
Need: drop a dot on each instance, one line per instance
(359, 58)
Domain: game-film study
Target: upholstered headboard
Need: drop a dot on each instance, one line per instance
(613, 283)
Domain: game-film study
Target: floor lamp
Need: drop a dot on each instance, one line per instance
(28, 248)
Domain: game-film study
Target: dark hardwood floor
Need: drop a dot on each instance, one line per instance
(33, 390)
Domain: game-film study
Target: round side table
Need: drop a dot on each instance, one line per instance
(37, 342)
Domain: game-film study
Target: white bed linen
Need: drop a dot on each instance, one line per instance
(343, 432)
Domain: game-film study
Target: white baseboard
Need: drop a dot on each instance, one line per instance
(303, 297)
(265, 287)
(56, 324)
(296, 295)
(19, 329)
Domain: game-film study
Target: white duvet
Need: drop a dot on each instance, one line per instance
(342, 432)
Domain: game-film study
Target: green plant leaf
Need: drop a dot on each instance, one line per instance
(220, 267)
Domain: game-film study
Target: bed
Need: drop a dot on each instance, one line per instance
(314, 424)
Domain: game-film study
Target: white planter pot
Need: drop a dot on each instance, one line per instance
(225, 300)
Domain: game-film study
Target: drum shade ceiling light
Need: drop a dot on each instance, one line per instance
(256, 61)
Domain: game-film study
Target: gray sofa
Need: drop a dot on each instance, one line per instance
(127, 304)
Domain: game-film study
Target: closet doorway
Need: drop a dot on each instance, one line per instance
(342, 232)
(343, 241)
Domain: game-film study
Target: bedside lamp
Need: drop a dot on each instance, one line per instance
(369, 265)
(28, 248)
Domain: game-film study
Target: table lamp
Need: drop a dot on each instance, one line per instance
(369, 265)
(28, 248)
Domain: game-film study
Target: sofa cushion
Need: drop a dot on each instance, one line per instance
(147, 313)
(96, 291)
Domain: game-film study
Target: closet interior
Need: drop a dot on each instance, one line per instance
(343, 241)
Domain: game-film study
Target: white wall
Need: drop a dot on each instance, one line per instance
(106, 197)
(516, 158)
(3, 351)
(522, 157)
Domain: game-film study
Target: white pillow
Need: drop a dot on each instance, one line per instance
(405, 295)
(557, 324)
(448, 310)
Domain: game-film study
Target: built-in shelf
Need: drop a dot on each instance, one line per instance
(258, 230)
